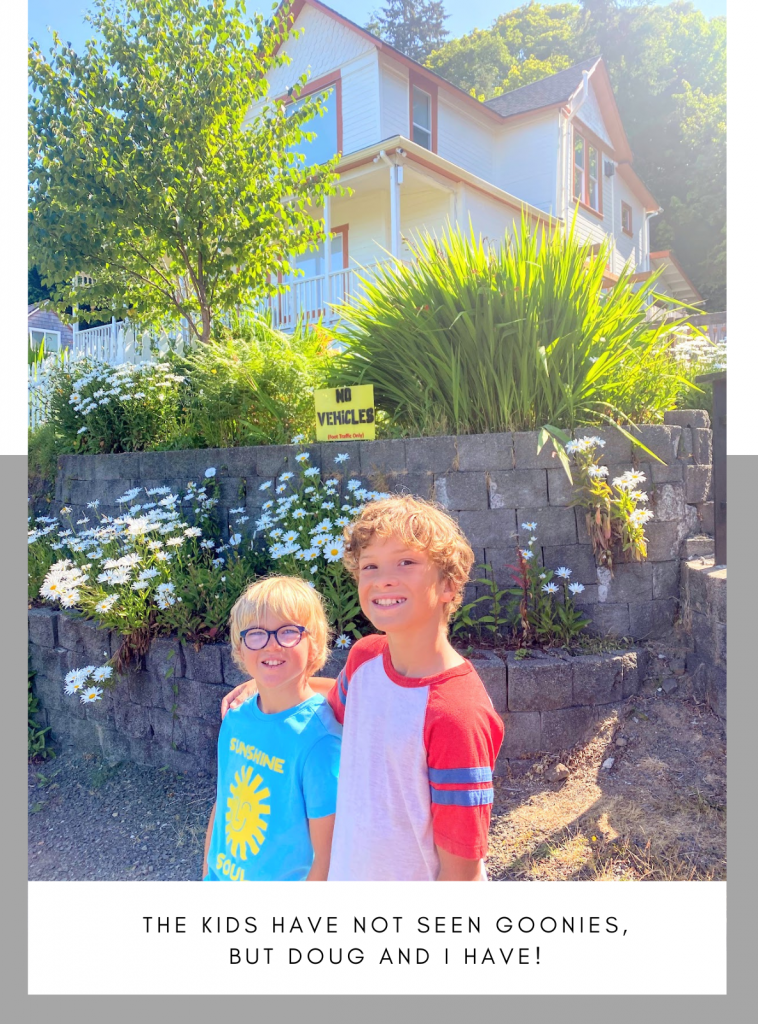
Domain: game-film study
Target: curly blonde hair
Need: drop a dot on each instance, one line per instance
(288, 598)
(418, 524)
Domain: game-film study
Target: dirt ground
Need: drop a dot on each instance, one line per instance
(657, 813)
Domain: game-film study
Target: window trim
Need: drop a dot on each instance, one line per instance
(430, 88)
(342, 229)
(47, 330)
(334, 78)
(584, 199)
(626, 206)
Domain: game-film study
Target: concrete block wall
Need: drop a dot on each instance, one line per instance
(704, 616)
(491, 483)
(165, 710)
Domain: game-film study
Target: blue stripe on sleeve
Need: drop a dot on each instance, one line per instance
(342, 679)
(441, 775)
(462, 797)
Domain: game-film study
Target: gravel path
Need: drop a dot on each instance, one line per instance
(90, 821)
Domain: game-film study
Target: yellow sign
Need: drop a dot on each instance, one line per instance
(345, 414)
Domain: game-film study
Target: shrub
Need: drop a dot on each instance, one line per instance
(96, 407)
(252, 387)
(471, 340)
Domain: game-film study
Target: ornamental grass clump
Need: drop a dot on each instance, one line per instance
(612, 512)
(471, 338)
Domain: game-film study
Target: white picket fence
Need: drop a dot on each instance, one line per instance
(115, 343)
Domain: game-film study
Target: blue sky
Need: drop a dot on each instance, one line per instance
(66, 15)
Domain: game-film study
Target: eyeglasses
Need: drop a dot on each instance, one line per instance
(256, 638)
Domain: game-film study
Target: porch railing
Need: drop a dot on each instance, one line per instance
(314, 298)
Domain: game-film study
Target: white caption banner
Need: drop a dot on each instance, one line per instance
(627, 938)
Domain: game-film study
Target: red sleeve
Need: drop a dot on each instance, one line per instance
(462, 734)
(365, 649)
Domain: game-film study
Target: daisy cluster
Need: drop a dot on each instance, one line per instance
(76, 679)
(562, 572)
(100, 384)
(304, 519)
(699, 351)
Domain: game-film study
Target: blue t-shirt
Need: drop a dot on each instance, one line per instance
(274, 773)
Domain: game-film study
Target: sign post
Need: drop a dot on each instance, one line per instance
(345, 414)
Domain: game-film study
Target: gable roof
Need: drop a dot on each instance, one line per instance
(547, 92)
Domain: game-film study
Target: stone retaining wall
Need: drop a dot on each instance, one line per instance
(491, 483)
(704, 616)
(166, 710)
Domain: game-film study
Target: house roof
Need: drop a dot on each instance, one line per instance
(547, 92)
(674, 276)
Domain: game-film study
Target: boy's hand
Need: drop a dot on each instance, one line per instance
(237, 697)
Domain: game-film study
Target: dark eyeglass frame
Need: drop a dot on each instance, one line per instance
(271, 632)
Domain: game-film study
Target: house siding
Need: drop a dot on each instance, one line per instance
(46, 320)
(489, 218)
(394, 101)
(464, 140)
(360, 103)
(589, 112)
(324, 45)
(527, 161)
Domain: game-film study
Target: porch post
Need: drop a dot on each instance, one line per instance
(327, 254)
(394, 211)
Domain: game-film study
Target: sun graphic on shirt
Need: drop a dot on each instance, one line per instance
(246, 806)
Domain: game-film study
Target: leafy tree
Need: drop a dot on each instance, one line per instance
(146, 173)
(668, 69)
(36, 291)
(415, 27)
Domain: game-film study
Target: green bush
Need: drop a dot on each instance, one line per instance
(473, 340)
(37, 736)
(252, 386)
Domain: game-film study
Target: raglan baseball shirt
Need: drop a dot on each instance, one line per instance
(416, 767)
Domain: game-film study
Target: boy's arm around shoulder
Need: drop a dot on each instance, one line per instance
(244, 691)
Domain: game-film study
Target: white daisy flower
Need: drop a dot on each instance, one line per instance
(148, 574)
(91, 694)
(576, 588)
(563, 572)
(343, 641)
(265, 486)
(281, 488)
(236, 511)
(312, 471)
(302, 457)
(343, 457)
(286, 476)
(102, 673)
(193, 531)
(174, 542)
(550, 588)
(210, 472)
(527, 555)
(333, 552)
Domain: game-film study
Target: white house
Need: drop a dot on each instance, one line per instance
(417, 151)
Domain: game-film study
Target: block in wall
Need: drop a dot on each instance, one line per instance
(716, 691)
(486, 452)
(556, 525)
(661, 439)
(598, 679)
(666, 579)
(702, 446)
(233, 675)
(493, 528)
(667, 502)
(705, 515)
(380, 457)
(522, 734)
(609, 619)
(687, 418)
(535, 684)
(617, 448)
(663, 541)
(518, 488)
(418, 483)
(111, 468)
(491, 670)
(461, 491)
(634, 665)
(85, 637)
(563, 728)
(651, 620)
(431, 454)
(133, 720)
(657, 473)
(560, 490)
(525, 454)
(203, 665)
(632, 581)
(142, 688)
(43, 627)
(164, 660)
(698, 484)
(274, 458)
(577, 557)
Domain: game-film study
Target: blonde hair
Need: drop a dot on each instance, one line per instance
(288, 598)
(418, 524)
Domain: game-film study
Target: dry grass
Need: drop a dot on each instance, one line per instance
(659, 814)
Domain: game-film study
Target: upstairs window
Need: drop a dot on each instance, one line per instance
(327, 126)
(586, 173)
(626, 218)
(421, 132)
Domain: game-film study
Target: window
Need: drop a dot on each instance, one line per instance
(586, 173)
(626, 218)
(51, 339)
(313, 263)
(422, 118)
(327, 126)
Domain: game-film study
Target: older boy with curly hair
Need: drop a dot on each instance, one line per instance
(420, 734)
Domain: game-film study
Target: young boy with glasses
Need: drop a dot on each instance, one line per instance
(278, 752)
(420, 733)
